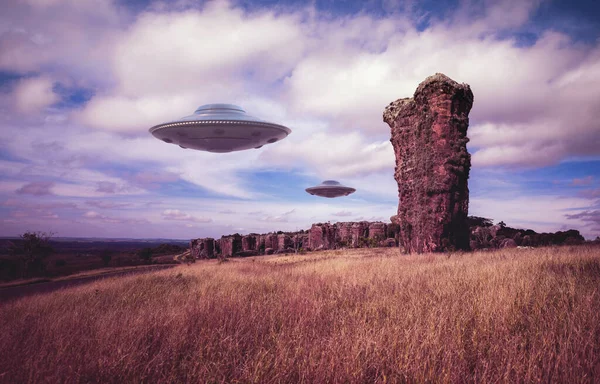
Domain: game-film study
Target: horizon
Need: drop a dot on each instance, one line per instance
(81, 82)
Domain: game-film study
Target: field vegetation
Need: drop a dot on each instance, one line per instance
(365, 315)
(36, 256)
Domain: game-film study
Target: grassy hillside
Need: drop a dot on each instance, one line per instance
(339, 316)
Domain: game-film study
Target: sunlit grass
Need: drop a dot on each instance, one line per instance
(337, 316)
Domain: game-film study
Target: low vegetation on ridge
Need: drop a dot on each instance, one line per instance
(364, 315)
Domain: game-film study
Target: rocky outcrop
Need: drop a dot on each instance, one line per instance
(284, 242)
(202, 248)
(488, 236)
(360, 232)
(322, 236)
(344, 234)
(429, 136)
(301, 241)
(271, 241)
(377, 231)
(249, 243)
(231, 245)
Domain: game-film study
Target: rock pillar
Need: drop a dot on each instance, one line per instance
(429, 136)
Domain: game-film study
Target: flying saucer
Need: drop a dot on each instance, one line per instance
(330, 188)
(220, 128)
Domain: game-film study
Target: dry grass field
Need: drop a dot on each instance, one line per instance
(340, 316)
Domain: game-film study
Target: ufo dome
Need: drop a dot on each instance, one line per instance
(330, 188)
(220, 128)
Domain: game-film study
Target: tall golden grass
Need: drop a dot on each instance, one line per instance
(342, 316)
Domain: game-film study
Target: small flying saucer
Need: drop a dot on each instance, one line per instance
(220, 128)
(330, 188)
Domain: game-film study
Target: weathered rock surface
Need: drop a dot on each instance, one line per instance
(488, 236)
(231, 245)
(202, 248)
(271, 241)
(377, 231)
(249, 243)
(301, 241)
(345, 234)
(284, 241)
(429, 136)
(322, 236)
(360, 232)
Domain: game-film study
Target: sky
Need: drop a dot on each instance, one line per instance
(81, 81)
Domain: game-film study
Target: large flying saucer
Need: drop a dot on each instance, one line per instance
(220, 128)
(330, 189)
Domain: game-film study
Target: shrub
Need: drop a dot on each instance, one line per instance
(145, 254)
(106, 257)
(32, 249)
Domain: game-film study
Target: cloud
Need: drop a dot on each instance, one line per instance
(37, 214)
(590, 193)
(107, 204)
(60, 36)
(330, 155)
(585, 181)
(216, 49)
(20, 209)
(176, 214)
(372, 218)
(525, 97)
(95, 216)
(33, 94)
(38, 188)
(38, 205)
(342, 213)
(282, 218)
(146, 177)
(106, 187)
(592, 218)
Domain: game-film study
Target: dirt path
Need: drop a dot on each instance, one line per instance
(15, 292)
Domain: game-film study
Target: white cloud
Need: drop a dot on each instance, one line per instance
(95, 216)
(282, 218)
(33, 94)
(39, 188)
(332, 155)
(176, 214)
(342, 213)
(63, 37)
(167, 64)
